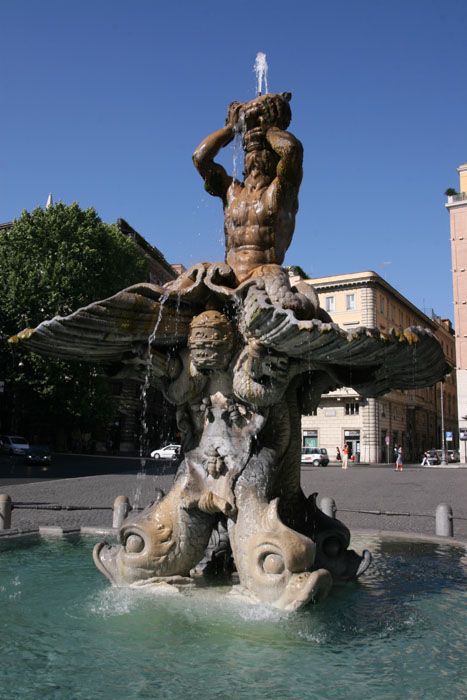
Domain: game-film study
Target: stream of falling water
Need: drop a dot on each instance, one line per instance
(143, 441)
(237, 151)
(261, 71)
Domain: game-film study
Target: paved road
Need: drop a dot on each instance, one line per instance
(66, 466)
(94, 482)
(417, 490)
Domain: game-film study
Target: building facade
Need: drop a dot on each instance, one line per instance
(373, 427)
(124, 435)
(159, 270)
(457, 207)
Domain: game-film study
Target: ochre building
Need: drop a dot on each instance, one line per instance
(457, 207)
(372, 427)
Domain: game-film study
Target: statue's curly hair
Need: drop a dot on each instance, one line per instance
(274, 107)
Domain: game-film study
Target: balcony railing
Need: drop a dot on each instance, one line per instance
(457, 197)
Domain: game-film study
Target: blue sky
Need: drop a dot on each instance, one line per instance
(103, 103)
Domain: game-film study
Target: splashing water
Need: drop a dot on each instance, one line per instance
(261, 70)
(143, 442)
(237, 151)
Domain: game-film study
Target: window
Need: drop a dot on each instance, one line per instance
(350, 302)
(330, 303)
(381, 304)
(310, 438)
(352, 409)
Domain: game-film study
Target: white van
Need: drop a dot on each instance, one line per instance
(317, 456)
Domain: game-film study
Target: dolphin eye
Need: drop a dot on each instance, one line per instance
(134, 544)
(273, 564)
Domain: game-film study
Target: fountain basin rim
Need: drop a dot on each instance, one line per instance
(50, 532)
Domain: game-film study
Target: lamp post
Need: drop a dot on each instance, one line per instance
(443, 437)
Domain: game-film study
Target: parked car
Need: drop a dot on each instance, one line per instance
(317, 456)
(38, 454)
(167, 452)
(451, 455)
(13, 445)
(433, 457)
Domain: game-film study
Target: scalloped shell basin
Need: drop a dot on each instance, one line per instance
(397, 633)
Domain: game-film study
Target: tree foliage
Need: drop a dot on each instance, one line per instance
(297, 270)
(53, 261)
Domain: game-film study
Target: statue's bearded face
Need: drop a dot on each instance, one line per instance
(210, 343)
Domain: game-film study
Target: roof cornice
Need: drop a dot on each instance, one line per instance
(367, 279)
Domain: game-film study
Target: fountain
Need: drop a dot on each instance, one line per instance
(241, 354)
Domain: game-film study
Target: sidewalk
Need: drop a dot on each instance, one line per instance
(415, 465)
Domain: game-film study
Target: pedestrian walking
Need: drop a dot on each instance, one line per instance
(425, 462)
(345, 457)
(338, 455)
(399, 461)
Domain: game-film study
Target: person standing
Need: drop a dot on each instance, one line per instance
(345, 456)
(338, 455)
(399, 462)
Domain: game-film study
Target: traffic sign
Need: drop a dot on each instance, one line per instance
(449, 436)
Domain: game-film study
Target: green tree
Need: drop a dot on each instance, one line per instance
(53, 261)
(297, 270)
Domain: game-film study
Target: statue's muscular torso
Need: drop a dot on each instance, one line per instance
(259, 213)
(258, 226)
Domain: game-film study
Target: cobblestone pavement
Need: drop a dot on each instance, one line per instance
(413, 494)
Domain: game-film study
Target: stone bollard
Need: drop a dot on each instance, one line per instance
(5, 511)
(328, 506)
(120, 511)
(444, 520)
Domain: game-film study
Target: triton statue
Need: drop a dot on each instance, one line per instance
(241, 354)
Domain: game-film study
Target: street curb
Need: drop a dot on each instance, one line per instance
(400, 535)
(381, 465)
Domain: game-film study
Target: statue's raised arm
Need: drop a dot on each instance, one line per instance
(289, 170)
(216, 179)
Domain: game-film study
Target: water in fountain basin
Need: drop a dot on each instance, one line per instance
(261, 70)
(397, 633)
